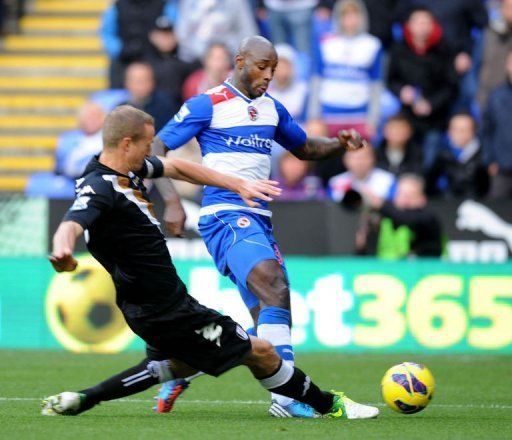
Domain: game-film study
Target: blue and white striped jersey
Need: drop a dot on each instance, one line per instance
(235, 134)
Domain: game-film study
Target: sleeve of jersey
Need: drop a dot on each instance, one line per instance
(153, 168)
(289, 134)
(92, 200)
(194, 116)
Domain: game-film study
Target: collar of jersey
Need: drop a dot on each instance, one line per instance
(237, 92)
(95, 164)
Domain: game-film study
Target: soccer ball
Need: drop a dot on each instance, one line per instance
(81, 309)
(407, 387)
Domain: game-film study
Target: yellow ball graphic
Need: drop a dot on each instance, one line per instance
(81, 310)
(407, 387)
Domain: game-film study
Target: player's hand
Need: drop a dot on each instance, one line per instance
(259, 189)
(174, 218)
(63, 261)
(351, 140)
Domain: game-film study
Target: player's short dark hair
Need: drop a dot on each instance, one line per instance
(122, 122)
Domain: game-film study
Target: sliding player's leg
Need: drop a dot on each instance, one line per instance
(131, 381)
(204, 340)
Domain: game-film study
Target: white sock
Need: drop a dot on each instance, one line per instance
(279, 335)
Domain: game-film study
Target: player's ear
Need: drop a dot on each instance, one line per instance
(239, 61)
(125, 143)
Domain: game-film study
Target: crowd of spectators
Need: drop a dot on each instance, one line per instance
(428, 83)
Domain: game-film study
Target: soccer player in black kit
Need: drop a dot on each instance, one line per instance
(112, 209)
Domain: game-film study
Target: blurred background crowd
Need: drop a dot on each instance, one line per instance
(428, 83)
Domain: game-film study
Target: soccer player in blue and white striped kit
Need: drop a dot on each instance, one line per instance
(235, 125)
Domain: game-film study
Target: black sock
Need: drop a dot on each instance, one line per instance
(134, 380)
(292, 382)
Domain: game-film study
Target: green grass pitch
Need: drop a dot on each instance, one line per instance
(473, 401)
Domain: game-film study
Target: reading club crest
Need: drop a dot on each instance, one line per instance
(243, 222)
(253, 113)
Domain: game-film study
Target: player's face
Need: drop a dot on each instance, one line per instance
(257, 72)
(139, 149)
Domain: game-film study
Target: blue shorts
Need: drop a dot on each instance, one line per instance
(238, 241)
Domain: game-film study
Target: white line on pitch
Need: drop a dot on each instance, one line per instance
(260, 402)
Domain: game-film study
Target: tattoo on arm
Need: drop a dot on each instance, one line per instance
(318, 148)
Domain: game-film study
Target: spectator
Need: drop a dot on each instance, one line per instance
(422, 76)
(170, 71)
(381, 14)
(288, 89)
(497, 44)
(326, 168)
(76, 147)
(124, 31)
(497, 136)
(74, 150)
(349, 67)
(295, 180)
(140, 83)
(459, 162)
(217, 65)
(458, 19)
(291, 21)
(404, 227)
(397, 152)
(291, 91)
(203, 22)
(361, 175)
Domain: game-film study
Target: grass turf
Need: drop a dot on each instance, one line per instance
(473, 400)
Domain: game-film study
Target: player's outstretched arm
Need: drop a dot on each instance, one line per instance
(317, 148)
(64, 241)
(198, 174)
(174, 214)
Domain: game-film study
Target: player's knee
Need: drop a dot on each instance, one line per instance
(263, 349)
(281, 294)
(263, 359)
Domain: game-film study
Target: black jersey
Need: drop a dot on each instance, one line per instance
(123, 234)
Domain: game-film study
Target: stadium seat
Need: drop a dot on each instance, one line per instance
(50, 185)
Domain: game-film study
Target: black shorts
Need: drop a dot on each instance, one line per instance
(194, 334)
